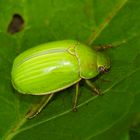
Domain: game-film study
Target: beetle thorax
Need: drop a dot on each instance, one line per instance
(87, 61)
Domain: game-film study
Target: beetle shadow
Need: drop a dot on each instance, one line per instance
(25, 98)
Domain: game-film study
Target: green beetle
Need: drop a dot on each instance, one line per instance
(54, 66)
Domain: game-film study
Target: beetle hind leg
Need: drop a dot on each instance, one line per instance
(36, 109)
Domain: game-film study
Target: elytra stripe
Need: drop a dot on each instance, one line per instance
(41, 53)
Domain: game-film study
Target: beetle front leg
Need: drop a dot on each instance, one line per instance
(112, 45)
(93, 87)
(39, 107)
(102, 47)
(74, 108)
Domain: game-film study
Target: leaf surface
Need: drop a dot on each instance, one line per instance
(92, 22)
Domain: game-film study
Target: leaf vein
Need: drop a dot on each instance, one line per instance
(106, 21)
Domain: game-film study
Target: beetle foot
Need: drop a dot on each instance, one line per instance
(74, 109)
(32, 113)
(97, 91)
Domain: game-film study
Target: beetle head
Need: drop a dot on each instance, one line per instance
(103, 63)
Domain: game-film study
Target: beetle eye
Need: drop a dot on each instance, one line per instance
(102, 69)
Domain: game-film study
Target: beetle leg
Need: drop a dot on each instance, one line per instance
(76, 98)
(39, 107)
(93, 87)
(102, 47)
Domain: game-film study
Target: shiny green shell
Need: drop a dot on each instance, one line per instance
(54, 66)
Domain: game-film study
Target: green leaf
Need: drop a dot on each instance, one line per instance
(135, 128)
(92, 22)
